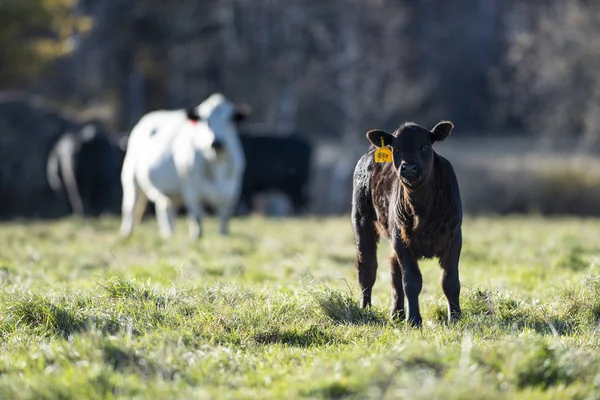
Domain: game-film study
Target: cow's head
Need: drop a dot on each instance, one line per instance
(411, 149)
(217, 119)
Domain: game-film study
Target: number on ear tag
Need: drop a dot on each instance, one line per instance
(383, 154)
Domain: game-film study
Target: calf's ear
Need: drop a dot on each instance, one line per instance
(241, 113)
(441, 131)
(380, 138)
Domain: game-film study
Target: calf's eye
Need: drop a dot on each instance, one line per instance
(425, 148)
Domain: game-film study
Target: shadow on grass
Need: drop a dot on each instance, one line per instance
(121, 288)
(331, 390)
(48, 318)
(568, 314)
(341, 308)
(542, 367)
(121, 359)
(39, 313)
(311, 336)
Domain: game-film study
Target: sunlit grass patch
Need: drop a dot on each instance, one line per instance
(273, 312)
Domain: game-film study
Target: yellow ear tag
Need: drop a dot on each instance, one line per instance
(383, 154)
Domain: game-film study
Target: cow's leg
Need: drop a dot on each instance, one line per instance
(245, 203)
(412, 280)
(224, 211)
(165, 215)
(297, 194)
(100, 193)
(195, 212)
(71, 185)
(131, 192)
(140, 207)
(450, 280)
(133, 203)
(397, 310)
(87, 189)
(366, 238)
(226, 204)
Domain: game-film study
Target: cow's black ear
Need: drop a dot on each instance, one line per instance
(380, 138)
(441, 131)
(192, 113)
(241, 113)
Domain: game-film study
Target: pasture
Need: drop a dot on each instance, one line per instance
(272, 312)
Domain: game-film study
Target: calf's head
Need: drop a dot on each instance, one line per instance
(411, 149)
(217, 119)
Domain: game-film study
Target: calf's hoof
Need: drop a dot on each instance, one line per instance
(366, 301)
(397, 315)
(454, 316)
(415, 322)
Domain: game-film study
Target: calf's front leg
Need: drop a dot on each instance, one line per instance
(397, 310)
(450, 280)
(412, 280)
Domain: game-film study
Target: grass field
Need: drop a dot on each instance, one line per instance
(271, 313)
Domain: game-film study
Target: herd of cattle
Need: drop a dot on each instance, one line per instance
(197, 158)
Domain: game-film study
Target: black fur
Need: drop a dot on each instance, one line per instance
(421, 215)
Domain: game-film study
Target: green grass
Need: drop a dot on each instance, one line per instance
(271, 313)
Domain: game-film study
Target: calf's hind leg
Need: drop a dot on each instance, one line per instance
(366, 238)
(450, 280)
(397, 310)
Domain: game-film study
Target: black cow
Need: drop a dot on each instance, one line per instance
(279, 163)
(414, 200)
(85, 163)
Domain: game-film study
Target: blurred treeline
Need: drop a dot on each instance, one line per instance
(330, 68)
(519, 78)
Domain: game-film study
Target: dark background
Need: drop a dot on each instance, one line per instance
(520, 80)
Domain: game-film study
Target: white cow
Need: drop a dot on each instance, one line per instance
(191, 157)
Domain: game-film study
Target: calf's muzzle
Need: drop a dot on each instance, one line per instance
(410, 171)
